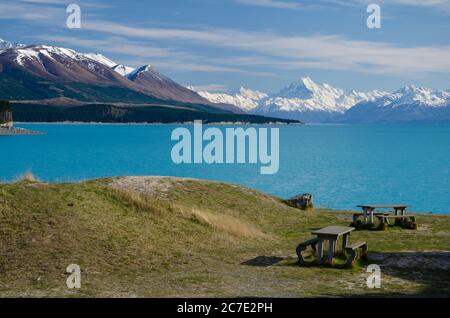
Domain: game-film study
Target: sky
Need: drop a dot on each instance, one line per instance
(220, 45)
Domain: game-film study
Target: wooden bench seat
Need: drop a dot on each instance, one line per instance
(358, 215)
(397, 218)
(303, 246)
(353, 252)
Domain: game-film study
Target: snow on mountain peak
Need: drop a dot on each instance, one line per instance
(305, 95)
(122, 69)
(118, 68)
(251, 94)
(412, 95)
(244, 98)
(306, 82)
(301, 95)
(4, 45)
(100, 59)
(142, 69)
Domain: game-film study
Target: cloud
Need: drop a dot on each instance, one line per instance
(139, 54)
(320, 51)
(45, 12)
(296, 5)
(254, 53)
(31, 12)
(114, 45)
(271, 4)
(442, 6)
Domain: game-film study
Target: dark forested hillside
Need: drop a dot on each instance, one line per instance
(131, 114)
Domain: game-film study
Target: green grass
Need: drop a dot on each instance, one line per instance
(196, 238)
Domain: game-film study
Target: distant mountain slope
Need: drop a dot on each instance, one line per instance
(245, 99)
(302, 100)
(4, 45)
(148, 79)
(321, 103)
(40, 71)
(409, 104)
(304, 95)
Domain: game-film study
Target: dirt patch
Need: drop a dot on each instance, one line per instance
(409, 259)
(147, 185)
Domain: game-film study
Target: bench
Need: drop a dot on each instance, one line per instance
(358, 215)
(384, 219)
(353, 254)
(303, 246)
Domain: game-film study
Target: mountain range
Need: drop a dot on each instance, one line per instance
(322, 103)
(64, 80)
(49, 83)
(61, 65)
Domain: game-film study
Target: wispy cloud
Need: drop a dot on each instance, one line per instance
(323, 52)
(277, 4)
(244, 52)
(296, 5)
(442, 6)
(139, 53)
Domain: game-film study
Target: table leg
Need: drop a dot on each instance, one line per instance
(344, 242)
(331, 249)
(319, 251)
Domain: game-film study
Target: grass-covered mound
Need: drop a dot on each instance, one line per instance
(180, 237)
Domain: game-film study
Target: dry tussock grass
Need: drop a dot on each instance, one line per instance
(139, 201)
(223, 222)
(220, 222)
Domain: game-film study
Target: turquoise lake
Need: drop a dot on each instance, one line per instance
(342, 165)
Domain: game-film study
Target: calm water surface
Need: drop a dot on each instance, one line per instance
(341, 165)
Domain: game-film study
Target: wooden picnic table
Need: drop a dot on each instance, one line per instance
(331, 234)
(369, 210)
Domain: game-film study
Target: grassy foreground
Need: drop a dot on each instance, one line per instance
(158, 237)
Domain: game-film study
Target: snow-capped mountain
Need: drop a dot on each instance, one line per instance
(304, 95)
(303, 100)
(409, 104)
(119, 68)
(4, 45)
(310, 102)
(147, 77)
(62, 64)
(420, 96)
(68, 69)
(246, 99)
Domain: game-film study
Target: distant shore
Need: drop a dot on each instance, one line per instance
(156, 124)
(17, 131)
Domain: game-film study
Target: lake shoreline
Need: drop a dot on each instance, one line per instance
(17, 131)
(157, 178)
(341, 165)
(160, 124)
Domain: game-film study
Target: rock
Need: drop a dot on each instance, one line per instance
(301, 201)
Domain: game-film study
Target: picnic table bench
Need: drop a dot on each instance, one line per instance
(331, 234)
(369, 211)
(384, 218)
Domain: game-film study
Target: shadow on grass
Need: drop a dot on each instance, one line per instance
(429, 269)
(263, 261)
